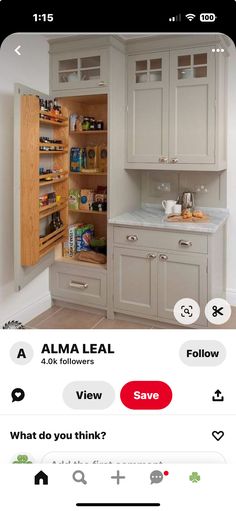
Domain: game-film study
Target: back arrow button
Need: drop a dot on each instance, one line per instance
(17, 50)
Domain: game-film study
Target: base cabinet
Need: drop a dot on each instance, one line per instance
(179, 276)
(149, 281)
(80, 285)
(135, 281)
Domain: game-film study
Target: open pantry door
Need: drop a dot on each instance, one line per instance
(24, 274)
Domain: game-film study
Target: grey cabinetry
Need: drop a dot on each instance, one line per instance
(72, 283)
(79, 69)
(135, 281)
(179, 276)
(176, 116)
(148, 84)
(149, 281)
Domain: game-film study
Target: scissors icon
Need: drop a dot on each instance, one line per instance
(217, 311)
(79, 477)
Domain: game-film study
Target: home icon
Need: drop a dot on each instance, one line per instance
(41, 477)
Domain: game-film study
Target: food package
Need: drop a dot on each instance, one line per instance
(74, 199)
(86, 198)
(69, 246)
(92, 156)
(76, 159)
(102, 158)
(84, 234)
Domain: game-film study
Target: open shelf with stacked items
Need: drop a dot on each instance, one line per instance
(44, 179)
(87, 204)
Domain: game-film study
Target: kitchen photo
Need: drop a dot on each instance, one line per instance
(118, 181)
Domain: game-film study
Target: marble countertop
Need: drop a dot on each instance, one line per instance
(153, 216)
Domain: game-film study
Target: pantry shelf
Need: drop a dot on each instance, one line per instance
(52, 208)
(54, 181)
(82, 173)
(89, 212)
(53, 152)
(53, 123)
(88, 132)
(83, 264)
(52, 117)
(51, 236)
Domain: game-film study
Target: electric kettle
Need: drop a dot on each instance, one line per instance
(187, 200)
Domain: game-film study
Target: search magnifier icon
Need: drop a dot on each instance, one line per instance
(79, 477)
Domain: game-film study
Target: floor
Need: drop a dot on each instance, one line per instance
(60, 317)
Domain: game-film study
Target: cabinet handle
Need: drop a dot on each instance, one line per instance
(101, 83)
(80, 285)
(163, 257)
(163, 159)
(184, 243)
(174, 160)
(151, 256)
(132, 237)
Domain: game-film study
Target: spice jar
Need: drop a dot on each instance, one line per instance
(92, 123)
(86, 124)
(99, 125)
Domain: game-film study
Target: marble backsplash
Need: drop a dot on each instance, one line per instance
(209, 187)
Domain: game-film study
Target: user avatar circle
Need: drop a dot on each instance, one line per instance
(218, 311)
(186, 311)
(21, 353)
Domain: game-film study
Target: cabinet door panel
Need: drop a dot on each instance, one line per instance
(80, 69)
(148, 107)
(23, 275)
(192, 106)
(135, 281)
(181, 276)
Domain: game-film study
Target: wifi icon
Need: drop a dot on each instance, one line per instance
(190, 16)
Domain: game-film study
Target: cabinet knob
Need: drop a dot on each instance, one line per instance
(151, 256)
(174, 160)
(79, 285)
(163, 159)
(185, 243)
(163, 257)
(101, 83)
(132, 237)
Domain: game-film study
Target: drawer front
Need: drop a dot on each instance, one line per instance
(180, 241)
(81, 286)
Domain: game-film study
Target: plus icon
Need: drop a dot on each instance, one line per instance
(118, 477)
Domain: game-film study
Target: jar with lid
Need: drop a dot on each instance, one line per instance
(91, 123)
(86, 124)
(99, 125)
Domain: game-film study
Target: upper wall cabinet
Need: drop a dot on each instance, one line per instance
(79, 69)
(148, 103)
(176, 110)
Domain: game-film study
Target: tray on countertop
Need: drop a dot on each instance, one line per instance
(179, 218)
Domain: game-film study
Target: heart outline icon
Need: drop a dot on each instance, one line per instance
(218, 435)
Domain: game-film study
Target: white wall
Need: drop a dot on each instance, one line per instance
(231, 259)
(32, 69)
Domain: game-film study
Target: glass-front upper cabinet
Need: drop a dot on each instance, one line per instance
(80, 69)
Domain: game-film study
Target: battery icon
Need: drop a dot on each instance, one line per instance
(207, 16)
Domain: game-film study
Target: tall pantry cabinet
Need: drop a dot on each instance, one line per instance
(87, 77)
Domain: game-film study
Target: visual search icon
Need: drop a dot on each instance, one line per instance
(186, 311)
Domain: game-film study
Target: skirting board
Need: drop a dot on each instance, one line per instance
(30, 312)
(231, 296)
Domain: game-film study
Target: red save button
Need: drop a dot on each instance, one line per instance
(146, 395)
